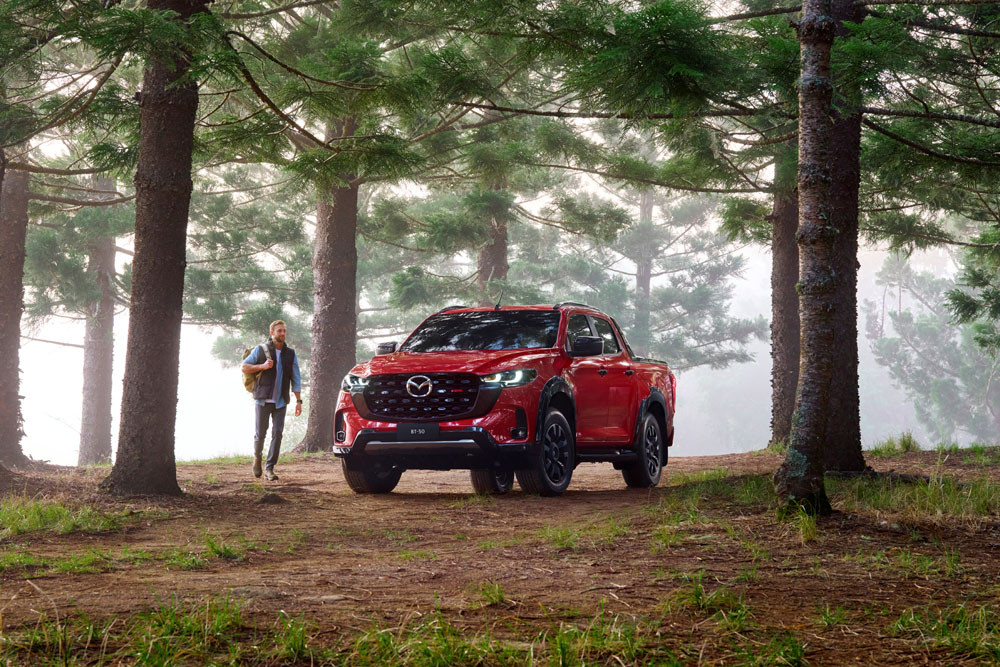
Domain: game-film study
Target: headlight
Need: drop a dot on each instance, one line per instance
(354, 383)
(516, 378)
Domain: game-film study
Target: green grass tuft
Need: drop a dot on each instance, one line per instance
(23, 515)
(964, 630)
(895, 446)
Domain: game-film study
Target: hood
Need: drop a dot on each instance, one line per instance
(473, 361)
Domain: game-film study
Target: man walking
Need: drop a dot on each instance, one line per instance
(279, 370)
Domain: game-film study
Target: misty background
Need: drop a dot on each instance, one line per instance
(718, 411)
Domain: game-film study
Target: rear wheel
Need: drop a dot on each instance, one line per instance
(492, 482)
(552, 468)
(365, 478)
(648, 468)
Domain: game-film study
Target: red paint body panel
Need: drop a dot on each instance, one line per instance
(609, 391)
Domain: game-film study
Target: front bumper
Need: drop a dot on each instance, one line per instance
(466, 448)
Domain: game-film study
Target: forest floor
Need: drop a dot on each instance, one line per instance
(696, 571)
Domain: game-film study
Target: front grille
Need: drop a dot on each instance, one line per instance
(452, 395)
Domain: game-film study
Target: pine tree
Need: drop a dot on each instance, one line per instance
(169, 100)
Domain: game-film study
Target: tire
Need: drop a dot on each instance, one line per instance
(647, 470)
(367, 479)
(552, 468)
(492, 482)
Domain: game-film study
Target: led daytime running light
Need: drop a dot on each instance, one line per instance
(354, 383)
(513, 378)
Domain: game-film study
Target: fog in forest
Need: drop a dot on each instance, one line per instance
(719, 411)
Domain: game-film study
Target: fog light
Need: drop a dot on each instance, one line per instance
(341, 436)
(519, 433)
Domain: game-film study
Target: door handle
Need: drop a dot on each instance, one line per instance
(603, 371)
(629, 372)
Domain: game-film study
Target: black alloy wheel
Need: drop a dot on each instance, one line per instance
(365, 478)
(493, 481)
(648, 467)
(552, 467)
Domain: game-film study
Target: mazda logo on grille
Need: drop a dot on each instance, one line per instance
(419, 386)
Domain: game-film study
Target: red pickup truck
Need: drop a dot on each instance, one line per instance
(525, 391)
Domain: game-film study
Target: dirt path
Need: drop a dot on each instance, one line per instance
(345, 562)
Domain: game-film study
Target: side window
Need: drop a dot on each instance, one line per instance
(605, 331)
(577, 326)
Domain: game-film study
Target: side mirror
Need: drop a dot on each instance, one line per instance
(385, 348)
(587, 346)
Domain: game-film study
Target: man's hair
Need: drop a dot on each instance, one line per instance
(275, 323)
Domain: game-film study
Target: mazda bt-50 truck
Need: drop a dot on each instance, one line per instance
(525, 391)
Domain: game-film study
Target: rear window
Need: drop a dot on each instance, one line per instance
(485, 330)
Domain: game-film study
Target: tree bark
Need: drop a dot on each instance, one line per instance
(168, 105)
(98, 349)
(643, 280)
(784, 313)
(842, 446)
(13, 230)
(799, 480)
(335, 320)
(492, 262)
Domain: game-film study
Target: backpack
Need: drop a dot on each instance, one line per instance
(250, 379)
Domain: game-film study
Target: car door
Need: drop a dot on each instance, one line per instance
(620, 386)
(589, 389)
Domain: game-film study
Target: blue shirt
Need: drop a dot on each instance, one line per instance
(258, 357)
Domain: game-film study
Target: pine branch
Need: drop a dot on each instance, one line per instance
(597, 114)
(51, 342)
(931, 115)
(924, 149)
(78, 202)
(288, 68)
(36, 169)
(647, 181)
(271, 12)
(754, 15)
(940, 27)
(924, 3)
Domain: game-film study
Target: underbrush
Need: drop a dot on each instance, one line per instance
(20, 515)
(218, 631)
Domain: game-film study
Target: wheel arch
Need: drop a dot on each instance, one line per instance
(559, 395)
(656, 405)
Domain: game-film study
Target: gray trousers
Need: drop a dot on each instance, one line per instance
(277, 417)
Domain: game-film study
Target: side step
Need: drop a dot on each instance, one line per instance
(606, 456)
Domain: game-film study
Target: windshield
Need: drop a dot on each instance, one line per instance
(485, 330)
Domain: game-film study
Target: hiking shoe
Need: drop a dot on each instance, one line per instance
(270, 476)
(256, 466)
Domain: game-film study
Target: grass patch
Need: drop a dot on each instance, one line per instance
(937, 497)
(401, 536)
(561, 537)
(895, 446)
(491, 593)
(909, 564)
(23, 515)
(829, 617)
(474, 500)
(219, 460)
(981, 455)
(962, 629)
(182, 559)
(416, 555)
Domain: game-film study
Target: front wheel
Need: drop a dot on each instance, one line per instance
(552, 468)
(369, 479)
(492, 482)
(648, 468)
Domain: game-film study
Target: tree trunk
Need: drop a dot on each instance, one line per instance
(13, 229)
(145, 463)
(492, 263)
(643, 280)
(335, 320)
(842, 446)
(98, 349)
(784, 313)
(799, 480)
